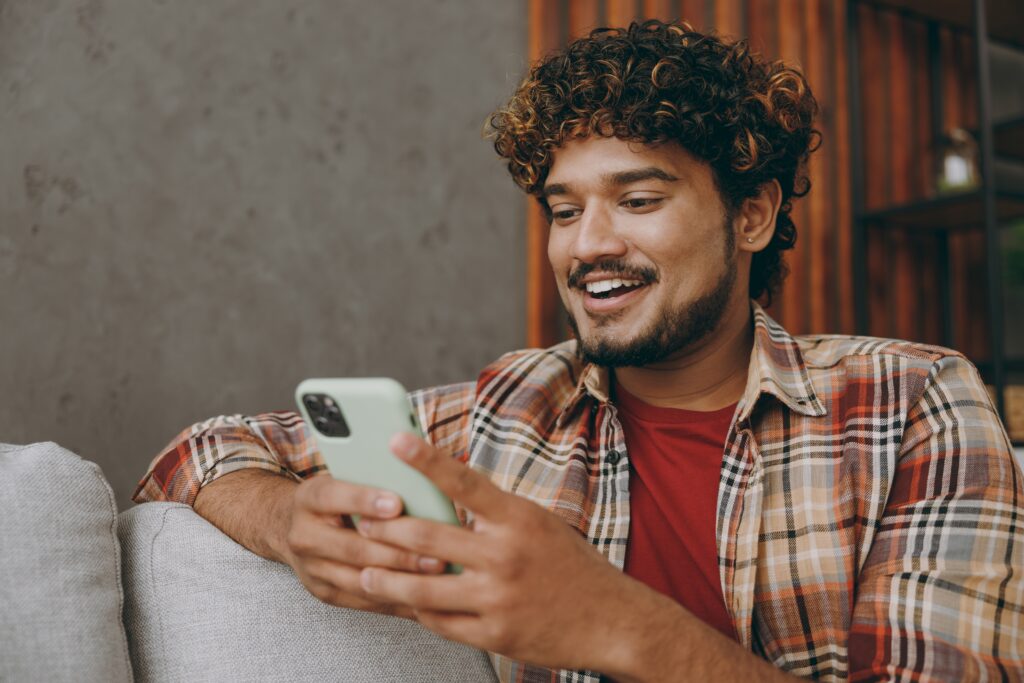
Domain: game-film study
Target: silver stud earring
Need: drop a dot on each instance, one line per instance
(750, 240)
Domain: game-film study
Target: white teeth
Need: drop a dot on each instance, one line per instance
(608, 285)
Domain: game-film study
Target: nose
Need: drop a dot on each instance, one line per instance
(597, 237)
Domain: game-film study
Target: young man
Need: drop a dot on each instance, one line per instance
(835, 507)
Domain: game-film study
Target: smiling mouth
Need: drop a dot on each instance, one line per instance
(610, 289)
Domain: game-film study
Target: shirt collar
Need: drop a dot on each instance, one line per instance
(776, 368)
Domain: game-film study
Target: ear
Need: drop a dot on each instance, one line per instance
(754, 224)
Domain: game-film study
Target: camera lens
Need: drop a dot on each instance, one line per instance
(333, 413)
(312, 403)
(322, 425)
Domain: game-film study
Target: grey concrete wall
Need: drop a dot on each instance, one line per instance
(203, 202)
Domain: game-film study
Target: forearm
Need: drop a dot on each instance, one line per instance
(253, 507)
(655, 639)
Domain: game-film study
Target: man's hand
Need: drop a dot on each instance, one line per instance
(304, 525)
(531, 587)
(327, 554)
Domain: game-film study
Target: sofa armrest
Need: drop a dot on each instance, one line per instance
(198, 606)
(60, 593)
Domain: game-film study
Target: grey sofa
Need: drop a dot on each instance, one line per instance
(155, 593)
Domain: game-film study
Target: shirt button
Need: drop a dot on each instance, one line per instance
(613, 457)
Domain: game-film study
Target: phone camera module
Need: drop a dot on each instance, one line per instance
(325, 414)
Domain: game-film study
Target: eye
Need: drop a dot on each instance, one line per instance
(563, 216)
(640, 203)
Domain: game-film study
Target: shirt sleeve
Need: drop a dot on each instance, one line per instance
(281, 443)
(941, 593)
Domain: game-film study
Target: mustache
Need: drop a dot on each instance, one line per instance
(618, 268)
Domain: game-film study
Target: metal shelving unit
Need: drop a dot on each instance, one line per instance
(1000, 21)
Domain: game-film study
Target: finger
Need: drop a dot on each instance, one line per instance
(336, 583)
(328, 542)
(330, 496)
(445, 593)
(334, 595)
(456, 480)
(425, 538)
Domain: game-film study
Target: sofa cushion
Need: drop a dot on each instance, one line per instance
(60, 597)
(202, 608)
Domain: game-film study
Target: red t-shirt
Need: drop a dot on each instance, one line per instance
(675, 461)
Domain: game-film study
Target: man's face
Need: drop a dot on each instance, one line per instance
(642, 249)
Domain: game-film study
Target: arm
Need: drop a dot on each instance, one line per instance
(253, 496)
(665, 642)
(253, 507)
(254, 479)
(533, 590)
(941, 593)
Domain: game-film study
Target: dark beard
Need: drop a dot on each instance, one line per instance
(672, 331)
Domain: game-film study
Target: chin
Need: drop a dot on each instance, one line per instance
(624, 343)
(611, 350)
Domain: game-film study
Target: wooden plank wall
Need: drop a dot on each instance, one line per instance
(817, 296)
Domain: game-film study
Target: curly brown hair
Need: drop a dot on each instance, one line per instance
(749, 118)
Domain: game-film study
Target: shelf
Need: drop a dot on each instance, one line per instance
(1005, 18)
(948, 212)
(945, 214)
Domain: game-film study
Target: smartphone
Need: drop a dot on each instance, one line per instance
(353, 419)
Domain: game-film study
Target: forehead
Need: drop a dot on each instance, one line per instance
(590, 159)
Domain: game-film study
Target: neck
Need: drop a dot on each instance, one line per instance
(711, 374)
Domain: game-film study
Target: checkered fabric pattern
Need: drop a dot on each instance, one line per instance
(870, 513)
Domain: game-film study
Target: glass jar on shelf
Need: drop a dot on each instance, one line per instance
(957, 163)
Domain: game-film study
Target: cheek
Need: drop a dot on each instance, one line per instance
(558, 253)
(684, 264)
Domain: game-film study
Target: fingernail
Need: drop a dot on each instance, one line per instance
(386, 505)
(365, 580)
(430, 564)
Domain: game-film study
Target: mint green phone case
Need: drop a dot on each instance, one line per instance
(375, 409)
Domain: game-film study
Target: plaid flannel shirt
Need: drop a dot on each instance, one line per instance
(870, 513)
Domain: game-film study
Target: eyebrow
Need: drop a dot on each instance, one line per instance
(616, 179)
